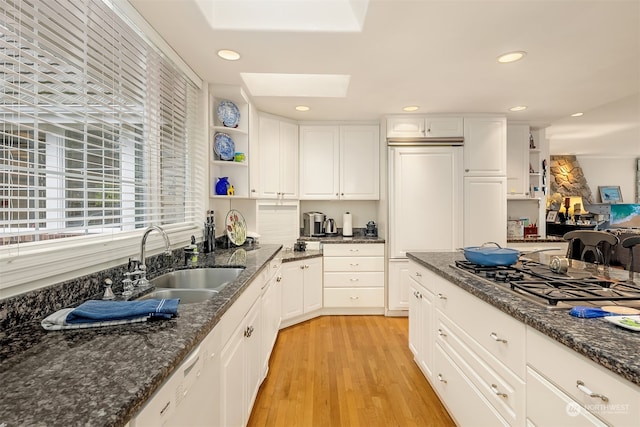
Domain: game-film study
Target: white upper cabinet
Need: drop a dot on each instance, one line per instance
(518, 159)
(485, 146)
(359, 163)
(409, 126)
(278, 159)
(339, 162)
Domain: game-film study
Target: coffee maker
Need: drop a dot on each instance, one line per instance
(313, 224)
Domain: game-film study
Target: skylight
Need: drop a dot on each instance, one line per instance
(285, 15)
(297, 85)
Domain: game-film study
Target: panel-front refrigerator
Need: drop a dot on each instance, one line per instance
(425, 208)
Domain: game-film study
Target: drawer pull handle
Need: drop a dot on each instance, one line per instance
(583, 388)
(441, 333)
(354, 264)
(354, 297)
(354, 250)
(441, 296)
(354, 279)
(498, 392)
(495, 337)
(442, 380)
(279, 278)
(417, 295)
(418, 274)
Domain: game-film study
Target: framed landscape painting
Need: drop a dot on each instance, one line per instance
(610, 194)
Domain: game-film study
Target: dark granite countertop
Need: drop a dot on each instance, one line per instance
(289, 256)
(608, 345)
(103, 376)
(342, 239)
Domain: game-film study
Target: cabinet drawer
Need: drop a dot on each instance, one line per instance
(354, 297)
(564, 368)
(548, 406)
(460, 396)
(353, 249)
(497, 332)
(353, 263)
(499, 385)
(370, 279)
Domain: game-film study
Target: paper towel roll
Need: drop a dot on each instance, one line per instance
(347, 225)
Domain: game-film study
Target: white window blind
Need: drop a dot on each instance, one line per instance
(98, 128)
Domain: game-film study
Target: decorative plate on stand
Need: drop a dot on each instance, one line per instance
(228, 114)
(223, 146)
(236, 227)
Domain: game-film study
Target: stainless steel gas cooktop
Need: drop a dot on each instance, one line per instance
(538, 283)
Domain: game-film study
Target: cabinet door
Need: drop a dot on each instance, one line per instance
(271, 301)
(399, 282)
(319, 162)
(288, 160)
(405, 126)
(359, 163)
(518, 159)
(444, 126)
(232, 379)
(269, 158)
(292, 289)
(253, 359)
(485, 211)
(485, 146)
(416, 328)
(312, 285)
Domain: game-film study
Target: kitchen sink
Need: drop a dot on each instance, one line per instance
(186, 296)
(197, 278)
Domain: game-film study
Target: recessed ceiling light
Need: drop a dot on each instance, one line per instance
(518, 108)
(576, 114)
(511, 57)
(229, 55)
(302, 108)
(411, 108)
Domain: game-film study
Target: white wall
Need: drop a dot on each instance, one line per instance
(362, 211)
(606, 142)
(607, 171)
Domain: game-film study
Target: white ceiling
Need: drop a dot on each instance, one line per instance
(440, 55)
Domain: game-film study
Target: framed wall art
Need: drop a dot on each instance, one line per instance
(610, 194)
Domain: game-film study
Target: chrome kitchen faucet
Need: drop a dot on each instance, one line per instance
(167, 251)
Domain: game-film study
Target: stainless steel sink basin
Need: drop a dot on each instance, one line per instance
(197, 278)
(187, 296)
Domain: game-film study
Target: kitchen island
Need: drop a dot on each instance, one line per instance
(483, 343)
(104, 376)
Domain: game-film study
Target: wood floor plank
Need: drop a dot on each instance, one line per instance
(346, 371)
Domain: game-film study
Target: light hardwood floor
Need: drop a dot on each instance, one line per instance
(346, 371)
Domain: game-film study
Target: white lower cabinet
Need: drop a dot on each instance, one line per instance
(579, 387)
(421, 318)
(472, 353)
(354, 275)
(399, 294)
(301, 287)
(490, 369)
(219, 380)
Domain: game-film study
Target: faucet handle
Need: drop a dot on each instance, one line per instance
(108, 293)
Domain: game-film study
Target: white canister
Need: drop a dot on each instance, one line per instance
(347, 225)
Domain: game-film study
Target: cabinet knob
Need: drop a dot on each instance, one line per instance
(466, 170)
(417, 294)
(583, 388)
(337, 194)
(253, 190)
(442, 380)
(302, 267)
(279, 279)
(342, 194)
(496, 338)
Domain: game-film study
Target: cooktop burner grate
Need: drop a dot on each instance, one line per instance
(538, 282)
